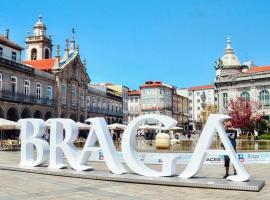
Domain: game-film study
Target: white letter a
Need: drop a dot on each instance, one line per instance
(213, 125)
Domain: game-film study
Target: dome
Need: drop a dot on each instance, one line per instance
(39, 23)
(229, 59)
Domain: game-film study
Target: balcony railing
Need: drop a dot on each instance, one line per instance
(104, 111)
(20, 97)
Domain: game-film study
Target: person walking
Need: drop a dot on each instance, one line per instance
(255, 134)
(232, 135)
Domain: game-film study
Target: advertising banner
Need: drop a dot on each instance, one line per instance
(184, 158)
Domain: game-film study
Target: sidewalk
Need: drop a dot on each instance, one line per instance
(21, 185)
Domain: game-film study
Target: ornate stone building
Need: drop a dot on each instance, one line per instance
(247, 81)
(44, 87)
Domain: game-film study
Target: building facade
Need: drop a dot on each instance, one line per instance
(45, 87)
(160, 98)
(198, 98)
(245, 80)
(134, 104)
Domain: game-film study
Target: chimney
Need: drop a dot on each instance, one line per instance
(7, 33)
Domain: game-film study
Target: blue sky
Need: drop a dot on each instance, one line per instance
(131, 41)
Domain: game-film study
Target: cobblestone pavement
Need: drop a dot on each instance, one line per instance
(21, 185)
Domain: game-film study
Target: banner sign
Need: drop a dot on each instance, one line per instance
(184, 158)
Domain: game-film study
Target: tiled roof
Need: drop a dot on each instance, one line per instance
(9, 43)
(201, 87)
(134, 92)
(258, 69)
(45, 64)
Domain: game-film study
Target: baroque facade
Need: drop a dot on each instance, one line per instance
(245, 80)
(45, 87)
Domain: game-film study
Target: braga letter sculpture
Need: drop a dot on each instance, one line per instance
(213, 125)
(129, 147)
(99, 131)
(62, 143)
(59, 145)
(32, 131)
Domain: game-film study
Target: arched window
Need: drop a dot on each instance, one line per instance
(264, 98)
(245, 95)
(26, 89)
(38, 91)
(47, 54)
(1, 82)
(73, 95)
(63, 94)
(1, 51)
(13, 84)
(34, 54)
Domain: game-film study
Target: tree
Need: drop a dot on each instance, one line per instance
(244, 113)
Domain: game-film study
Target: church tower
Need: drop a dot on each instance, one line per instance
(229, 63)
(39, 45)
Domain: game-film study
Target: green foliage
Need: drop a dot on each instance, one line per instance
(265, 136)
(261, 125)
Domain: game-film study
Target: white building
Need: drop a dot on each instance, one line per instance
(8, 49)
(197, 97)
(134, 104)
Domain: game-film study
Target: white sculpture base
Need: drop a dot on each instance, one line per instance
(197, 182)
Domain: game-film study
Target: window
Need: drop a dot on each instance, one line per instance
(225, 100)
(99, 103)
(1, 82)
(108, 105)
(49, 92)
(47, 54)
(38, 91)
(136, 99)
(264, 98)
(34, 54)
(88, 103)
(82, 98)
(13, 84)
(198, 100)
(190, 101)
(160, 91)
(26, 89)
(1, 51)
(198, 108)
(104, 104)
(190, 108)
(63, 94)
(245, 96)
(131, 99)
(190, 94)
(94, 102)
(73, 95)
(13, 56)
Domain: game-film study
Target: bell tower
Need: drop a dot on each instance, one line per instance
(38, 45)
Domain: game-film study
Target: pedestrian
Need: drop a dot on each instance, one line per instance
(249, 135)
(255, 134)
(189, 135)
(232, 135)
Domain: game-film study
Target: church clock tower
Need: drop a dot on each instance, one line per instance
(39, 45)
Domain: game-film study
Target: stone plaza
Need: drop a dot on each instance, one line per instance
(22, 185)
